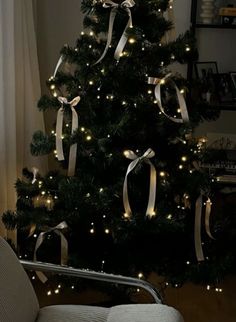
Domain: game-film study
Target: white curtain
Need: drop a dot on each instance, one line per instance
(19, 93)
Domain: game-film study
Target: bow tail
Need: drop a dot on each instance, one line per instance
(109, 36)
(123, 40)
(152, 191)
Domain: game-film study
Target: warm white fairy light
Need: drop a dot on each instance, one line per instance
(184, 158)
(98, 97)
(132, 40)
(172, 56)
(140, 275)
(33, 277)
(72, 286)
(82, 33)
(187, 48)
(56, 291)
(91, 82)
(124, 103)
(208, 287)
(180, 166)
(54, 94)
(49, 293)
(82, 129)
(88, 138)
(169, 216)
(126, 153)
(101, 190)
(35, 235)
(149, 91)
(188, 262)
(108, 135)
(92, 231)
(90, 46)
(162, 174)
(182, 91)
(178, 110)
(43, 193)
(91, 33)
(103, 70)
(88, 195)
(52, 86)
(126, 215)
(87, 64)
(107, 231)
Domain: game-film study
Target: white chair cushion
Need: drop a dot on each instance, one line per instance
(72, 313)
(144, 313)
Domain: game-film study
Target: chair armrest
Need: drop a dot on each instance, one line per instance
(93, 275)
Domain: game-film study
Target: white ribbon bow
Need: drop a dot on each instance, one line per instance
(129, 154)
(197, 229)
(126, 5)
(181, 100)
(64, 246)
(59, 126)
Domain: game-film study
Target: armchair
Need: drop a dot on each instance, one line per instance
(19, 303)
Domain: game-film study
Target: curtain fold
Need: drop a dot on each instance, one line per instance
(19, 93)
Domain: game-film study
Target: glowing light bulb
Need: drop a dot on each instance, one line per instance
(91, 33)
(132, 40)
(140, 275)
(162, 173)
(92, 231)
(91, 82)
(169, 217)
(88, 138)
(180, 166)
(49, 293)
(107, 231)
(184, 158)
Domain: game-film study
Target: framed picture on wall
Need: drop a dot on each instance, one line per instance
(205, 70)
(233, 78)
(223, 87)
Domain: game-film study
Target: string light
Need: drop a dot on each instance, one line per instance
(91, 33)
(91, 82)
(49, 293)
(82, 33)
(88, 138)
(169, 217)
(57, 291)
(132, 40)
(162, 174)
(208, 287)
(126, 215)
(184, 158)
(107, 231)
(180, 166)
(140, 275)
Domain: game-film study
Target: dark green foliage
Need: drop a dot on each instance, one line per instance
(118, 112)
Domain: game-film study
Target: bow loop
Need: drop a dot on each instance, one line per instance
(180, 97)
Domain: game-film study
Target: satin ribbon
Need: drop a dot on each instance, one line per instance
(58, 65)
(182, 104)
(129, 154)
(125, 5)
(197, 229)
(59, 126)
(64, 246)
(35, 172)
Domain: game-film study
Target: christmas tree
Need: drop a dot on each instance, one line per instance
(131, 191)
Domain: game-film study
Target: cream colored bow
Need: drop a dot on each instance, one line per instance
(129, 154)
(64, 246)
(125, 5)
(59, 126)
